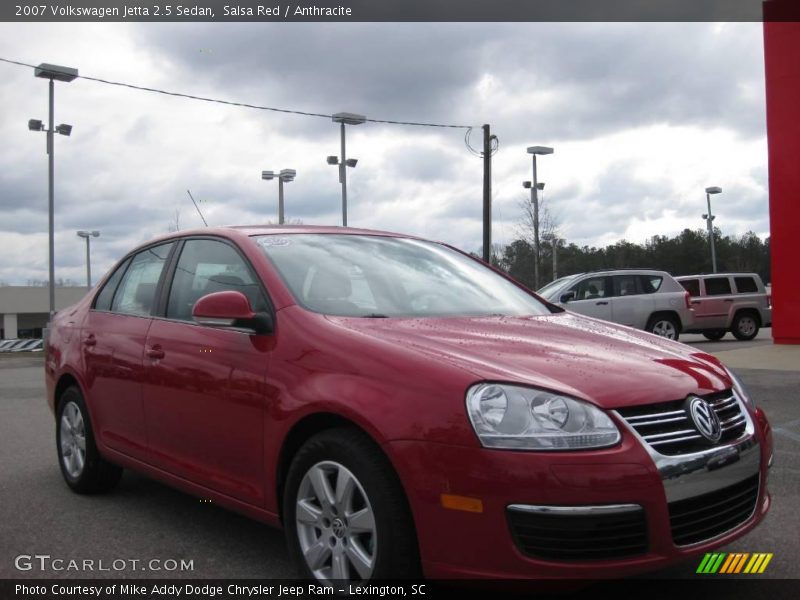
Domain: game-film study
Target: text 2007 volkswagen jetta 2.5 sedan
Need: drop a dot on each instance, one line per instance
(401, 409)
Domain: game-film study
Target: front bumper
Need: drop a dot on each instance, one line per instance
(461, 544)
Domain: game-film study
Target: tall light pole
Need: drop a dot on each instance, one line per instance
(709, 219)
(345, 118)
(286, 175)
(88, 235)
(53, 73)
(536, 151)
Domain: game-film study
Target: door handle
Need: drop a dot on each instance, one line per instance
(728, 300)
(155, 352)
(695, 301)
(90, 340)
(601, 303)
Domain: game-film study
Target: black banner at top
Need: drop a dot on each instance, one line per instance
(397, 10)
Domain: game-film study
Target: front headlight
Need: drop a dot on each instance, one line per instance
(519, 418)
(739, 388)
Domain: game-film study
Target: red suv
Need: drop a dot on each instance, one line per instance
(400, 408)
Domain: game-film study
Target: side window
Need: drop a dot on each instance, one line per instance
(650, 283)
(593, 287)
(106, 295)
(205, 267)
(718, 286)
(626, 285)
(136, 293)
(745, 285)
(692, 286)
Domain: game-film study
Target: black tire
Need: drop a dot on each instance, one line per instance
(391, 548)
(664, 325)
(714, 334)
(745, 326)
(95, 475)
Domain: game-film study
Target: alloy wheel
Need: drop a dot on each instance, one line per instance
(746, 325)
(335, 524)
(666, 329)
(73, 440)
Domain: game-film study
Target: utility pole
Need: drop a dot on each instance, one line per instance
(487, 194)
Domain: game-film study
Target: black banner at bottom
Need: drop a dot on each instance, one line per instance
(704, 587)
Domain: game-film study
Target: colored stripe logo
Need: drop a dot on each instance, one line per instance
(734, 563)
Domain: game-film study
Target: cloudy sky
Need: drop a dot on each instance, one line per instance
(642, 118)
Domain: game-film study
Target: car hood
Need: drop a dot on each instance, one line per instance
(607, 364)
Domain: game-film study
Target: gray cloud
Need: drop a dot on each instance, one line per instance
(132, 156)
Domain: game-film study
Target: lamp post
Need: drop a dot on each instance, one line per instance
(343, 162)
(536, 151)
(88, 235)
(709, 219)
(53, 73)
(286, 175)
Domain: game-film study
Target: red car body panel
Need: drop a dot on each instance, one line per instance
(209, 410)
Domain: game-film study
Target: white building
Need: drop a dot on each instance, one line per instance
(25, 309)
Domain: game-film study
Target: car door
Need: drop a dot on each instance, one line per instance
(712, 311)
(592, 297)
(113, 335)
(629, 304)
(204, 387)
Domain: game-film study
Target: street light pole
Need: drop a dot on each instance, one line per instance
(88, 235)
(343, 162)
(52, 73)
(710, 224)
(536, 150)
(285, 175)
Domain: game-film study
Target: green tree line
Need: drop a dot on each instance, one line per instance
(687, 253)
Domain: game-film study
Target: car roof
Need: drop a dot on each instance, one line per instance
(681, 277)
(626, 271)
(268, 229)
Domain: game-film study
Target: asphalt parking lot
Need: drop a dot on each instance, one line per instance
(145, 520)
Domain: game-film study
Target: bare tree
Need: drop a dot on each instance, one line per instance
(526, 228)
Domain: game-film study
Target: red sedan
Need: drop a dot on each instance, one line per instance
(399, 408)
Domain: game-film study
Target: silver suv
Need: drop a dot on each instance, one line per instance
(735, 302)
(640, 298)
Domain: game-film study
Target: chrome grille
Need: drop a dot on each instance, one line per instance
(667, 428)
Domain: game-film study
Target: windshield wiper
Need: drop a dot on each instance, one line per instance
(374, 316)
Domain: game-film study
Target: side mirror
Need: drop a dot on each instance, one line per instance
(230, 309)
(567, 297)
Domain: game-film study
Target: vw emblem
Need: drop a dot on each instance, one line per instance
(338, 527)
(705, 419)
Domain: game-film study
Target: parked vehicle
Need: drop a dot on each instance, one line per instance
(640, 298)
(735, 302)
(399, 407)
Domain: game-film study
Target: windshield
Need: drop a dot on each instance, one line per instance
(553, 285)
(377, 276)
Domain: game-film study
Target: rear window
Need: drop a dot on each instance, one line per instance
(718, 286)
(692, 286)
(745, 285)
(650, 283)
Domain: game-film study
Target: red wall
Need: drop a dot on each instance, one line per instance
(782, 55)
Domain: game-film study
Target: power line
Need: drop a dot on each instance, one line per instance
(239, 104)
